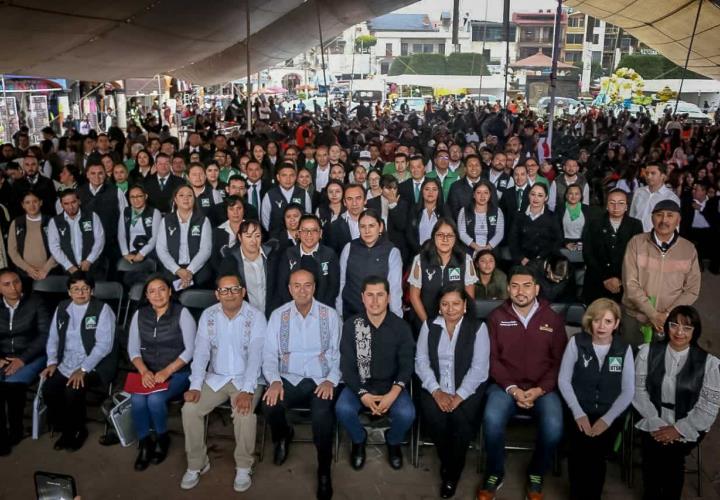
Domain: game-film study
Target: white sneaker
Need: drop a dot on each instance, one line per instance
(191, 478)
(242, 480)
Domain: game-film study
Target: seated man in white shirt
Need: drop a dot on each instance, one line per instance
(301, 362)
(226, 365)
(79, 354)
(76, 238)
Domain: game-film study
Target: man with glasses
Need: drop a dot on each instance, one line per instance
(310, 254)
(226, 365)
(79, 354)
(301, 363)
(441, 171)
(604, 246)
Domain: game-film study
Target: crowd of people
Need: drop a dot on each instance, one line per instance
(347, 256)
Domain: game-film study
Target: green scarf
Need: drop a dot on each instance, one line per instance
(122, 186)
(574, 213)
(134, 216)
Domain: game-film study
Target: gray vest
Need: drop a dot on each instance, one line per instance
(363, 261)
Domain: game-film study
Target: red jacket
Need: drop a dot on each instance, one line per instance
(526, 358)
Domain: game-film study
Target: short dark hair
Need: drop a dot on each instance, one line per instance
(67, 192)
(79, 276)
(229, 275)
(388, 181)
(236, 178)
(246, 225)
(232, 200)
(8, 270)
(157, 277)
(374, 279)
(312, 217)
(519, 270)
(660, 166)
(400, 154)
(308, 266)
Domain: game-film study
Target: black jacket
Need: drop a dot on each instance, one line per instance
(413, 227)
(325, 264)
(30, 326)
(43, 187)
(603, 252)
(535, 239)
(337, 234)
(161, 199)
(396, 225)
(509, 205)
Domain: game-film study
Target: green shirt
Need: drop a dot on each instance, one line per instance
(226, 173)
(448, 181)
(495, 289)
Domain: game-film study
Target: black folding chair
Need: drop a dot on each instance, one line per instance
(51, 284)
(197, 300)
(483, 308)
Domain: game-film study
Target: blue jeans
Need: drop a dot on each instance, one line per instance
(27, 374)
(499, 408)
(150, 410)
(402, 416)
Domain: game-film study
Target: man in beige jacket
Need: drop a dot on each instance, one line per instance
(660, 271)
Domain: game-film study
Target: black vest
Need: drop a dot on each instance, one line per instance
(363, 261)
(597, 388)
(104, 203)
(689, 380)
(492, 219)
(161, 340)
(21, 232)
(278, 204)
(434, 277)
(206, 200)
(86, 229)
(561, 186)
(502, 182)
(194, 234)
(464, 349)
(146, 217)
(106, 368)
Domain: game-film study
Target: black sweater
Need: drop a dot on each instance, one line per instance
(28, 336)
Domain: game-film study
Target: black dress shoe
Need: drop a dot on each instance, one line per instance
(282, 448)
(394, 454)
(63, 442)
(447, 489)
(160, 451)
(77, 440)
(324, 490)
(357, 455)
(144, 453)
(109, 439)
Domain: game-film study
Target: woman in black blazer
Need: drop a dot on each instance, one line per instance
(573, 216)
(536, 233)
(425, 214)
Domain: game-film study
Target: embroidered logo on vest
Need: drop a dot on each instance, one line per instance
(546, 328)
(148, 221)
(325, 268)
(430, 274)
(172, 230)
(296, 200)
(90, 322)
(61, 230)
(204, 202)
(292, 264)
(615, 364)
(195, 230)
(586, 360)
(454, 274)
(279, 203)
(87, 226)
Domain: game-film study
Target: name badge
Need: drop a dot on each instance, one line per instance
(195, 230)
(91, 322)
(204, 202)
(615, 364)
(454, 274)
(509, 323)
(87, 226)
(546, 328)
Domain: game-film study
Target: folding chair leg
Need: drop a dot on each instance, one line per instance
(337, 441)
(416, 453)
(699, 471)
(261, 455)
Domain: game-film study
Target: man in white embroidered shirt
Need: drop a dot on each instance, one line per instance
(226, 364)
(301, 362)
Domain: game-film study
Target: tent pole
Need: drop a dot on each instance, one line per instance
(553, 72)
(5, 101)
(687, 59)
(482, 59)
(322, 58)
(506, 21)
(248, 87)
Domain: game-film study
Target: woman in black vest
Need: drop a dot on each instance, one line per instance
(288, 236)
(160, 346)
(597, 382)
(137, 233)
(330, 206)
(677, 393)
(481, 223)
(441, 262)
(184, 242)
(372, 254)
(27, 240)
(536, 233)
(80, 353)
(425, 214)
(452, 362)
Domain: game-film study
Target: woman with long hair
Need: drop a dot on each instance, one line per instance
(481, 222)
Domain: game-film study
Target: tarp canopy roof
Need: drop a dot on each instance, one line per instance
(539, 60)
(202, 42)
(666, 26)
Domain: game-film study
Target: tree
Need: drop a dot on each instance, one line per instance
(652, 67)
(469, 64)
(363, 43)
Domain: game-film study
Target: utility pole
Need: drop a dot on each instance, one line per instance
(553, 72)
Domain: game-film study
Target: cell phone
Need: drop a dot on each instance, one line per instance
(52, 486)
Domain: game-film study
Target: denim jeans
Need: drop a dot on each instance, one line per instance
(401, 413)
(27, 374)
(150, 410)
(500, 408)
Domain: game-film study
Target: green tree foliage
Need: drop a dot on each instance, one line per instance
(363, 43)
(468, 64)
(655, 67)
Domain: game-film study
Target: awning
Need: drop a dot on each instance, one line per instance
(539, 60)
(202, 42)
(666, 26)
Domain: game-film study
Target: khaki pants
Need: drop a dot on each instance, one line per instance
(193, 418)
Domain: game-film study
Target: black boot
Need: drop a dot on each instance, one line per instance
(394, 454)
(77, 439)
(16, 412)
(357, 454)
(144, 453)
(282, 447)
(162, 445)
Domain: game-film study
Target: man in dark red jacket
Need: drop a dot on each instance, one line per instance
(527, 341)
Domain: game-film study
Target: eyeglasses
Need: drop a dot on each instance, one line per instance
(617, 203)
(79, 289)
(309, 231)
(445, 236)
(230, 289)
(683, 328)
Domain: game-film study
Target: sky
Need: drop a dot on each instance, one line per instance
(476, 8)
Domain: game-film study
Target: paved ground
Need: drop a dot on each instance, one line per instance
(107, 473)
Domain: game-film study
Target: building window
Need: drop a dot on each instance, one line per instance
(403, 49)
(441, 48)
(573, 57)
(625, 43)
(427, 48)
(417, 48)
(574, 38)
(576, 22)
(491, 33)
(384, 68)
(388, 50)
(596, 39)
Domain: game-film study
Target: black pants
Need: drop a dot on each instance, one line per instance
(202, 279)
(451, 432)
(11, 419)
(663, 468)
(322, 413)
(66, 406)
(586, 460)
(704, 243)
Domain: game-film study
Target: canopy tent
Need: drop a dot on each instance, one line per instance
(202, 42)
(666, 26)
(538, 61)
(448, 81)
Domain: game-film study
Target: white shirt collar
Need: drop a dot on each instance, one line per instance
(242, 254)
(312, 252)
(12, 308)
(34, 219)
